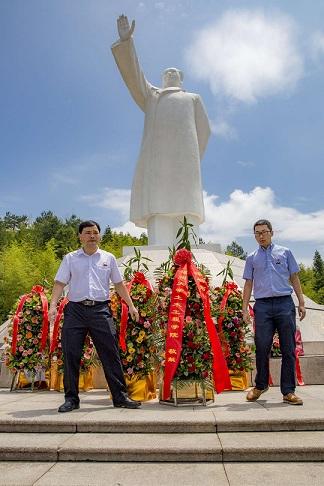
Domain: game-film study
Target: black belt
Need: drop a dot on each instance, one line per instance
(90, 303)
(273, 297)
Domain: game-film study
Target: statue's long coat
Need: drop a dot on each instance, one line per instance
(176, 130)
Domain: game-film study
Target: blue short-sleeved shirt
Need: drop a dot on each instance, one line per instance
(88, 276)
(270, 269)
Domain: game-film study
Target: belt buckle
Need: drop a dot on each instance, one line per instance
(88, 302)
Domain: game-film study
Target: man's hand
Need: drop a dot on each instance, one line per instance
(124, 31)
(52, 314)
(246, 316)
(133, 313)
(301, 312)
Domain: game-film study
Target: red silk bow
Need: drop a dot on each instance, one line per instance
(57, 324)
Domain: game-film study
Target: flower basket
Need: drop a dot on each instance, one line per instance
(240, 380)
(27, 346)
(236, 334)
(136, 338)
(142, 388)
(56, 379)
(191, 350)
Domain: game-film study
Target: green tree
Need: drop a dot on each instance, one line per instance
(236, 250)
(14, 222)
(21, 267)
(107, 236)
(45, 228)
(318, 277)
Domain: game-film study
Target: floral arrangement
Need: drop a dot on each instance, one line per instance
(235, 333)
(26, 347)
(195, 361)
(192, 349)
(136, 340)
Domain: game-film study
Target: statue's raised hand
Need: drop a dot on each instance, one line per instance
(124, 30)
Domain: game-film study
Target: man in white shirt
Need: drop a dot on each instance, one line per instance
(88, 272)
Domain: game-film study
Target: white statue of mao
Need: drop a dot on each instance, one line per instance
(167, 182)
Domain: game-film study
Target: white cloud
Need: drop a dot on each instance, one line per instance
(113, 199)
(130, 228)
(317, 45)
(245, 163)
(247, 55)
(235, 217)
(231, 219)
(223, 129)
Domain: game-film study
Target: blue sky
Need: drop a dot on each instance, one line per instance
(70, 132)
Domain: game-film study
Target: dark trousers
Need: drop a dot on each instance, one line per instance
(271, 314)
(98, 322)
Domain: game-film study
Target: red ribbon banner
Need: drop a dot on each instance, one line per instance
(56, 325)
(37, 289)
(139, 278)
(176, 321)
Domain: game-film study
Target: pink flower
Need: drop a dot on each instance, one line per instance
(35, 341)
(30, 351)
(188, 319)
(130, 371)
(21, 349)
(147, 324)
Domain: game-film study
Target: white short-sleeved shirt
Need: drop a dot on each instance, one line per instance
(88, 276)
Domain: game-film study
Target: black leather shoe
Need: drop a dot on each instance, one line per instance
(127, 403)
(68, 406)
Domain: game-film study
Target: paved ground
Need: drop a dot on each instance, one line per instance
(37, 412)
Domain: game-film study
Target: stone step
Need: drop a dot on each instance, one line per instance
(110, 447)
(313, 347)
(190, 423)
(222, 447)
(312, 368)
(161, 474)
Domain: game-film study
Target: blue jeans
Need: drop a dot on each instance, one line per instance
(271, 314)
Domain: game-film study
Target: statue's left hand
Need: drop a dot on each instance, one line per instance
(124, 30)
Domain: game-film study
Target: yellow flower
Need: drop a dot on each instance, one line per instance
(131, 350)
(139, 339)
(129, 358)
(141, 334)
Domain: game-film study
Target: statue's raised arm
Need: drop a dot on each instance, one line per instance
(127, 61)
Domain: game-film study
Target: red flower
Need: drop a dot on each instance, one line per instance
(182, 256)
(139, 278)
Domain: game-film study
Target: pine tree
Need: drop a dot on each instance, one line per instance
(318, 272)
(236, 250)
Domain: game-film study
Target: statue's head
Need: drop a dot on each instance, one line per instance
(172, 77)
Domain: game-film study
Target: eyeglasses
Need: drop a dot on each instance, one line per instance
(261, 233)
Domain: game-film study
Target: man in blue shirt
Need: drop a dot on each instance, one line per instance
(272, 271)
(88, 272)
